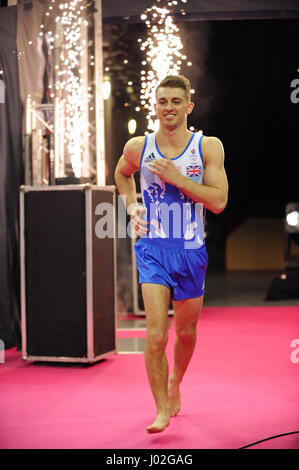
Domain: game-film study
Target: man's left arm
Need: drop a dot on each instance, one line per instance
(213, 193)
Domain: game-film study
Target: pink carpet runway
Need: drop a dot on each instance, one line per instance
(241, 386)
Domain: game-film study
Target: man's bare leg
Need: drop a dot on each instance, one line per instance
(156, 303)
(186, 315)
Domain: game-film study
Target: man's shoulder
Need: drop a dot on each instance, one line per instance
(135, 144)
(209, 141)
(133, 150)
(211, 145)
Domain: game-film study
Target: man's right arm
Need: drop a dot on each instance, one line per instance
(127, 165)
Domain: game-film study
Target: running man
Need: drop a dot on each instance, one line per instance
(181, 175)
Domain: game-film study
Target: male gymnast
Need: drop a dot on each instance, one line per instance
(181, 175)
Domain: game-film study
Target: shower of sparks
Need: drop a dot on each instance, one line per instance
(164, 55)
(69, 80)
(68, 85)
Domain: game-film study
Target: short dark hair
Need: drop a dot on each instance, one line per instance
(176, 81)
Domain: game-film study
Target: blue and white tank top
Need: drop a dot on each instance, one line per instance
(174, 218)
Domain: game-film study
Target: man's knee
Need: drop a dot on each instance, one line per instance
(156, 341)
(186, 335)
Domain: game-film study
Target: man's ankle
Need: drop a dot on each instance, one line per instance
(174, 380)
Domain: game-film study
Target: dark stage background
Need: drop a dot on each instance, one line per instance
(11, 176)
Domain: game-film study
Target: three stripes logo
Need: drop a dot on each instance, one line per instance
(150, 158)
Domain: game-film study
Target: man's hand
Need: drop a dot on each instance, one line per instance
(166, 170)
(139, 224)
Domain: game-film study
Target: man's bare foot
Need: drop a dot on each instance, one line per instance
(160, 423)
(174, 397)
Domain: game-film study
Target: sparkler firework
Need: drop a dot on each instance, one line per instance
(163, 51)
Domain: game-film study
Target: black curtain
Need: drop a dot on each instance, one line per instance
(11, 177)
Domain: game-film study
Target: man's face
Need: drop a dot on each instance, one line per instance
(172, 106)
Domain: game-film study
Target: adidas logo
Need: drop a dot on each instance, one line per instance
(150, 158)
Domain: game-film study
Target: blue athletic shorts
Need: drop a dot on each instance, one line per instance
(182, 271)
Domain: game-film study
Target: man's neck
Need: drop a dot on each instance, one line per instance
(173, 137)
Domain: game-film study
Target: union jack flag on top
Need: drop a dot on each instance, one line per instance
(193, 170)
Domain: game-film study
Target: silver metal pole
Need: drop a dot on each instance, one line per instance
(27, 141)
(61, 142)
(28, 105)
(57, 135)
(84, 87)
(99, 102)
